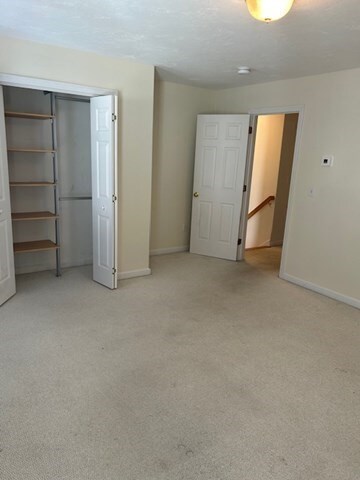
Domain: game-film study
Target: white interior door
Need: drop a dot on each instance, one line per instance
(104, 195)
(7, 270)
(220, 159)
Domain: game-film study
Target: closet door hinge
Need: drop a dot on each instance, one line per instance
(114, 271)
(113, 117)
(114, 198)
(250, 130)
(239, 241)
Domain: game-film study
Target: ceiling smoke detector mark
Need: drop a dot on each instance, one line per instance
(244, 71)
(327, 161)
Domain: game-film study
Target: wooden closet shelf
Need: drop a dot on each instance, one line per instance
(37, 246)
(32, 184)
(35, 116)
(33, 216)
(31, 150)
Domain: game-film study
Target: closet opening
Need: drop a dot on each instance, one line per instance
(58, 185)
(49, 160)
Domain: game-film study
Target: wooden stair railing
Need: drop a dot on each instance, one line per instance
(262, 205)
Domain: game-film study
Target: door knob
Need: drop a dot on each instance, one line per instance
(196, 194)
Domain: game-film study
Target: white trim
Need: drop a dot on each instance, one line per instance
(276, 243)
(44, 268)
(166, 251)
(134, 273)
(354, 302)
(54, 86)
(276, 110)
(247, 182)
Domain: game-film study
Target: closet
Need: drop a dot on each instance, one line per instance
(49, 161)
(58, 180)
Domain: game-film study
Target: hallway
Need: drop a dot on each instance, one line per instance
(266, 259)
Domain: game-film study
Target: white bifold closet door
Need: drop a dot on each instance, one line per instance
(103, 172)
(7, 270)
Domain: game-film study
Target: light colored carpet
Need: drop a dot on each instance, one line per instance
(206, 370)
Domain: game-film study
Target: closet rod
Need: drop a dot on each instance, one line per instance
(72, 99)
(75, 198)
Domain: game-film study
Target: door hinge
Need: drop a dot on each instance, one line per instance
(239, 241)
(244, 188)
(114, 198)
(250, 130)
(113, 117)
(114, 271)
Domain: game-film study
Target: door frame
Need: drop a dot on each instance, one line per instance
(254, 114)
(32, 83)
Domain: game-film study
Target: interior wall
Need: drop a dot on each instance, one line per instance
(284, 177)
(269, 135)
(323, 232)
(175, 112)
(135, 83)
(74, 160)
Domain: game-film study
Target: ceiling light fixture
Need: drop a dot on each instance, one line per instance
(269, 10)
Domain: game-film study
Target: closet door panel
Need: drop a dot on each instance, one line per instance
(7, 271)
(103, 189)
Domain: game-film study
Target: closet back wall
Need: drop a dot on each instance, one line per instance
(73, 133)
(74, 157)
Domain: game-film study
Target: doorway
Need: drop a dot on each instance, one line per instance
(269, 187)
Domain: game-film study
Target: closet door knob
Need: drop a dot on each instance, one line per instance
(196, 194)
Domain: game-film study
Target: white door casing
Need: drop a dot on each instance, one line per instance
(220, 160)
(7, 270)
(103, 170)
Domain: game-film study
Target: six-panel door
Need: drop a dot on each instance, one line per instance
(220, 159)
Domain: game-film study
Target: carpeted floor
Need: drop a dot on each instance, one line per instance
(205, 370)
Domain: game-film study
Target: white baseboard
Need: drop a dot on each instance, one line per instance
(354, 302)
(276, 243)
(134, 273)
(43, 268)
(166, 251)
(33, 269)
(262, 245)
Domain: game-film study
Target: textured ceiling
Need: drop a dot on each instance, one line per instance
(200, 42)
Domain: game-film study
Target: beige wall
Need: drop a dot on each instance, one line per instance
(284, 177)
(176, 109)
(269, 134)
(324, 232)
(135, 83)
